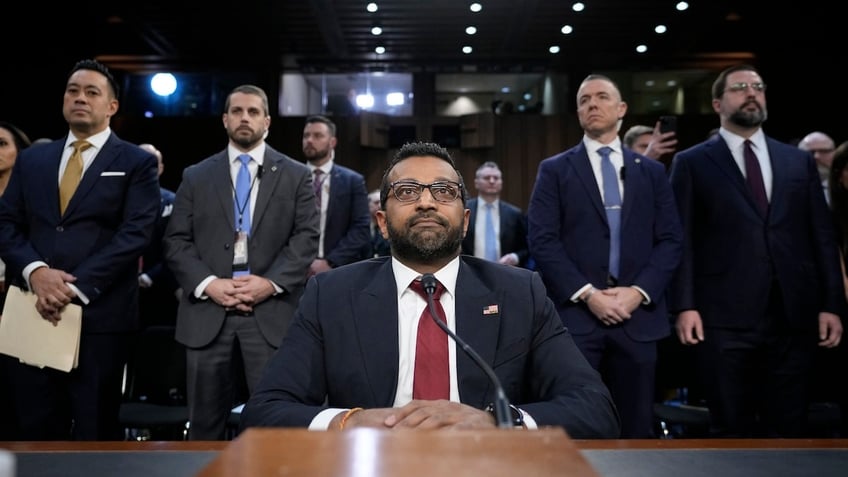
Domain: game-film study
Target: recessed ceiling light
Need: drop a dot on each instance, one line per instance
(578, 7)
(682, 6)
(660, 29)
(567, 29)
(376, 31)
(471, 30)
(467, 49)
(371, 7)
(380, 50)
(554, 49)
(641, 48)
(475, 7)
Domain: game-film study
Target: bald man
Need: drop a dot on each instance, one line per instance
(821, 146)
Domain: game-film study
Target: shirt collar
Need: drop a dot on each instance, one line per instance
(446, 275)
(97, 140)
(257, 153)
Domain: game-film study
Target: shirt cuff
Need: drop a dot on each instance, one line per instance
(647, 299)
(200, 290)
(529, 422)
(576, 297)
(321, 422)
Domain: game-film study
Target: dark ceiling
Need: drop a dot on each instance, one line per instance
(419, 35)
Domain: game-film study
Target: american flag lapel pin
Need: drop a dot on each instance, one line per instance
(490, 310)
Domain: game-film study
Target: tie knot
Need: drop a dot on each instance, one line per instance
(490, 205)
(244, 158)
(318, 172)
(418, 287)
(605, 151)
(81, 145)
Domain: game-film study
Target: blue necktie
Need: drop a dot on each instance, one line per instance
(242, 197)
(491, 236)
(612, 204)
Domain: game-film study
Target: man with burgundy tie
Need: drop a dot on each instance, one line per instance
(77, 214)
(364, 350)
(759, 285)
(605, 234)
(242, 234)
(341, 199)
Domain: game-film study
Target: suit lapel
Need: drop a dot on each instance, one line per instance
(379, 349)
(478, 330)
(104, 158)
(271, 175)
(719, 153)
(223, 185)
(583, 167)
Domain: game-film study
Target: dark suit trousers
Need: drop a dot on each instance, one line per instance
(628, 368)
(217, 372)
(757, 380)
(81, 405)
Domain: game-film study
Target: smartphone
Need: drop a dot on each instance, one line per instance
(668, 124)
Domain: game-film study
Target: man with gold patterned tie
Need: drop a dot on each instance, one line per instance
(364, 350)
(76, 216)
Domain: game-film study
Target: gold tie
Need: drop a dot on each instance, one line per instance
(71, 177)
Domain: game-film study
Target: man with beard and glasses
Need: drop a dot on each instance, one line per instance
(351, 357)
(759, 285)
(242, 234)
(341, 199)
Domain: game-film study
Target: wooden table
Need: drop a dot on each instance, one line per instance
(306, 450)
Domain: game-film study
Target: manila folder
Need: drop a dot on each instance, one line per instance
(25, 335)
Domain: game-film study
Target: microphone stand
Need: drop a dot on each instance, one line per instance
(502, 412)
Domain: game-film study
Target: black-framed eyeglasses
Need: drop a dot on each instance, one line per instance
(739, 87)
(410, 191)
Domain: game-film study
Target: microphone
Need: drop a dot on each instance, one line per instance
(502, 411)
(622, 172)
(259, 171)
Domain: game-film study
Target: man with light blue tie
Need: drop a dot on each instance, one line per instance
(604, 231)
(242, 234)
(497, 230)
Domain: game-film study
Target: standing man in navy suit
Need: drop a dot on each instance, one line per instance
(759, 285)
(158, 287)
(341, 198)
(509, 223)
(351, 358)
(87, 255)
(240, 257)
(609, 287)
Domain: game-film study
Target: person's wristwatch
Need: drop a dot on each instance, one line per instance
(516, 414)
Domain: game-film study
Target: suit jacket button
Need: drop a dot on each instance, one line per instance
(226, 246)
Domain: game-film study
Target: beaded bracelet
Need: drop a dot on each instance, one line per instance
(347, 416)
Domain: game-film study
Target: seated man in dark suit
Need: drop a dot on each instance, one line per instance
(351, 357)
(504, 239)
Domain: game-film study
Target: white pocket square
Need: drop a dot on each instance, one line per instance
(112, 173)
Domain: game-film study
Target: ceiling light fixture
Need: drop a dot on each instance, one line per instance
(376, 31)
(471, 30)
(475, 7)
(567, 29)
(660, 29)
(554, 49)
(578, 6)
(467, 49)
(371, 7)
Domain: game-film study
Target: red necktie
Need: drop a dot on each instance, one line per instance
(755, 179)
(432, 378)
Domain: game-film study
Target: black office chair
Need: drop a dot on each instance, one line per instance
(154, 406)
